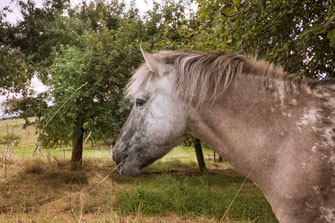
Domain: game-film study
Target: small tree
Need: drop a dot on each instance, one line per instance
(99, 63)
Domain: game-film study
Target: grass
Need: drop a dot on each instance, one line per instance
(36, 189)
(203, 195)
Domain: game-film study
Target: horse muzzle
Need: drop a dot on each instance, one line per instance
(129, 169)
(125, 165)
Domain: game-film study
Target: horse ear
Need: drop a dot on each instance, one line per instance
(154, 63)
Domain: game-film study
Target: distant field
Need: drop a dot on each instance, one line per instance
(28, 135)
(38, 189)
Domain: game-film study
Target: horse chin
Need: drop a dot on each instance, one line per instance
(130, 170)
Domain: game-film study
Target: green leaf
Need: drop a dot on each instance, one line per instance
(215, 14)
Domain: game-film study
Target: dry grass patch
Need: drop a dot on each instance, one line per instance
(50, 187)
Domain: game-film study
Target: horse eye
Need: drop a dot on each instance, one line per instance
(139, 102)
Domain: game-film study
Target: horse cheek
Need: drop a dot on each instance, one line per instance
(164, 125)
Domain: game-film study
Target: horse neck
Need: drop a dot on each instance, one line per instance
(241, 126)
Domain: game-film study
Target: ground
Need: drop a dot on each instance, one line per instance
(38, 189)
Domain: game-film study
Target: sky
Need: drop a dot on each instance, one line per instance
(142, 5)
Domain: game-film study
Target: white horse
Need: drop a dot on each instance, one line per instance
(275, 128)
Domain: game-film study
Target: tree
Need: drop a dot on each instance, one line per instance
(300, 35)
(25, 107)
(15, 69)
(100, 61)
(169, 24)
(32, 34)
(104, 56)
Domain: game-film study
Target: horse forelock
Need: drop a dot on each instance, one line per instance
(206, 76)
(138, 81)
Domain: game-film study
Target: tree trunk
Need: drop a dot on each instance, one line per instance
(77, 144)
(200, 155)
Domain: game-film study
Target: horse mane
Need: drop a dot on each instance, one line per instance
(206, 75)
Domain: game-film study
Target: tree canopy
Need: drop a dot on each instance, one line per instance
(299, 35)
